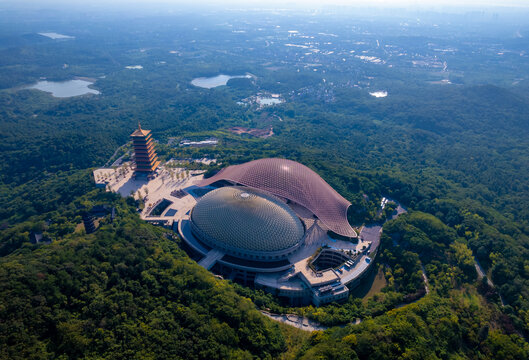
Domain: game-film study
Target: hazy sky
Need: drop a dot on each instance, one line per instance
(284, 3)
(382, 2)
(266, 3)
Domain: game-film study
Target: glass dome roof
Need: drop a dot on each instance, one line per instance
(246, 219)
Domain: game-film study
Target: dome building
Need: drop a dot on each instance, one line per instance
(297, 183)
(267, 222)
(247, 223)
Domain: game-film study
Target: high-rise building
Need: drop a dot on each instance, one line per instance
(144, 153)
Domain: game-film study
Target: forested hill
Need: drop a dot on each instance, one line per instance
(129, 292)
(473, 136)
(125, 292)
(446, 136)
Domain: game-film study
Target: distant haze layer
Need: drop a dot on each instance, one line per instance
(278, 3)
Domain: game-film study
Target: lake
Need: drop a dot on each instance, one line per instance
(212, 82)
(54, 35)
(65, 89)
(379, 94)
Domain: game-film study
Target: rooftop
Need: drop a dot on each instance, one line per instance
(140, 132)
(291, 180)
(246, 219)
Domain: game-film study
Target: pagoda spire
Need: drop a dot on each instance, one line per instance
(144, 152)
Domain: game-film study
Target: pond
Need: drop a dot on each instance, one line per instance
(54, 35)
(379, 94)
(215, 81)
(64, 89)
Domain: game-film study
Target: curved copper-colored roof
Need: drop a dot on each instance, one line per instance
(293, 181)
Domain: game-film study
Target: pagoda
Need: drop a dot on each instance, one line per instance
(144, 153)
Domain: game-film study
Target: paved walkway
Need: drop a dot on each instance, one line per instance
(113, 155)
(481, 274)
(297, 321)
(372, 234)
(211, 258)
(425, 279)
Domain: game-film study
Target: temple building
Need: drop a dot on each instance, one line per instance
(144, 154)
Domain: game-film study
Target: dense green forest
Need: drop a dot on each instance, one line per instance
(125, 292)
(456, 155)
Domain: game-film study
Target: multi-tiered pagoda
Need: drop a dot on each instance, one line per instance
(144, 153)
